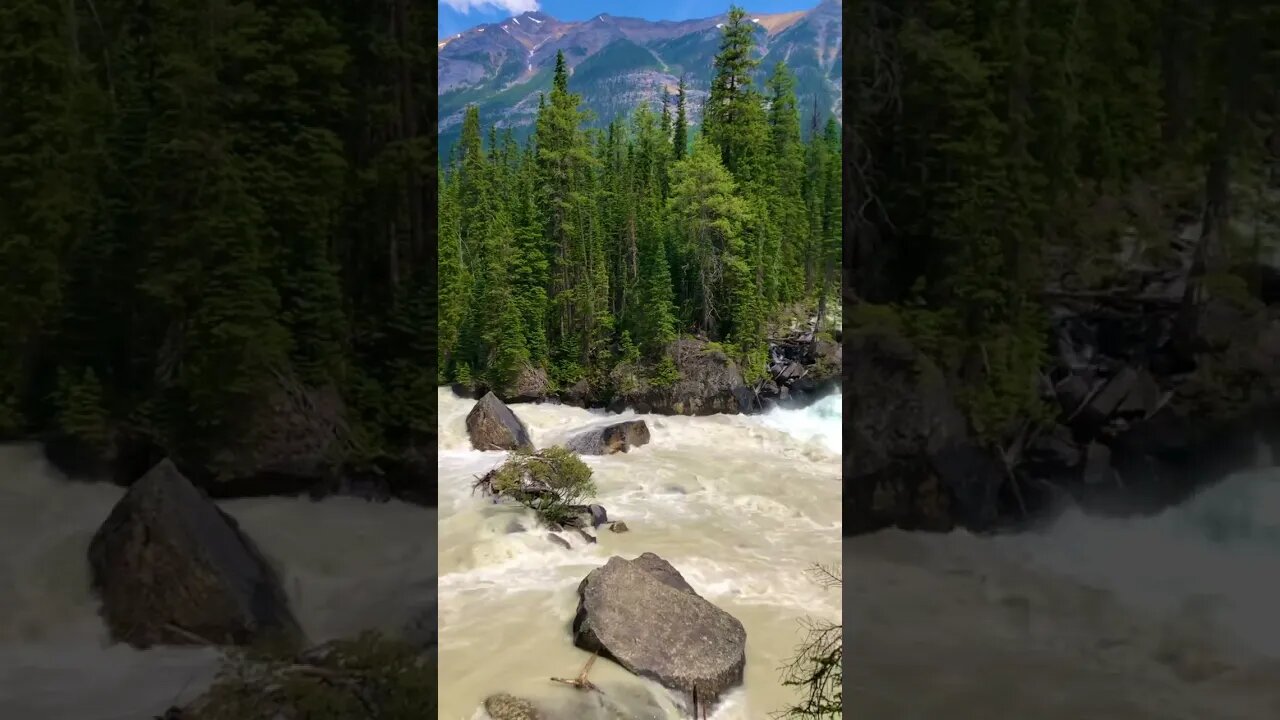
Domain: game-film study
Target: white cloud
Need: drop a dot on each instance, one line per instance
(515, 7)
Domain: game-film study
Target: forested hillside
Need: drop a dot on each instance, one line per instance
(1008, 141)
(214, 225)
(1055, 203)
(581, 255)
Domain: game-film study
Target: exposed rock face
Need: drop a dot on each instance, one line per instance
(293, 442)
(1165, 398)
(803, 368)
(530, 384)
(643, 615)
(1154, 399)
(298, 437)
(910, 462)
(610, 439)
(167, 560)
(492, 426)
(710, 383)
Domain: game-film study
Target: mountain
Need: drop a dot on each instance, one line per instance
(618, 62)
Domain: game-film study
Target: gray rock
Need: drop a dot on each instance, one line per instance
(1143, 396)
(709, 382)
(644, 616)
(556, 539)
(508, 707)
(492, 426)
(598, 515)
(1071, 391)
(1109, 398)
(530, 384)
(663, 571)
(610, 439)
(904, 442)
(171, 567)
(618, 526)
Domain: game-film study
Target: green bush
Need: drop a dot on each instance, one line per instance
(550, 482)
(665, 373)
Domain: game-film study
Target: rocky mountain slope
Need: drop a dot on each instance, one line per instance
(618, 62)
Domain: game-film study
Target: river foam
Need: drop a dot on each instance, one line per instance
(1159, 618)
(346, 565)
(742, 506)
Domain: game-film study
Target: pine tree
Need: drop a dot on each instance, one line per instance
(680, 139)
(40, 213)
(734, 117)
(786, 280)
(707, 218)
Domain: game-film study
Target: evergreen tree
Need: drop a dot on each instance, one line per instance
(680, 139)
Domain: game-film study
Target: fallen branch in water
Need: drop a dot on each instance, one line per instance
(581, 682)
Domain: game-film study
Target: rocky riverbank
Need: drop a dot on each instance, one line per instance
(1152, 392)
(803, 366)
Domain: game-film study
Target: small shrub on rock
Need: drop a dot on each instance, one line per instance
(553, 482)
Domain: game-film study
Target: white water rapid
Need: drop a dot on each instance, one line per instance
(742, 506)
(1172, 617)
(347, 565)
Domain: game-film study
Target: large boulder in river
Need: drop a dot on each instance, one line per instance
(171, 568)
(610, 439)
(492, 426)
(644, 615)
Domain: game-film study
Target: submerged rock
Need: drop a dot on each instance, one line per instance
(492, 425)
(642, 614)
(610, 439)
(171, 568)
(509, 707)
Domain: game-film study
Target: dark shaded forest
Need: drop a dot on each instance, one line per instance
(215, 225)
(1002, 148)
(586, 250)
(1064, 217)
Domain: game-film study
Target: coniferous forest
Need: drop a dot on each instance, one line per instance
(999, 147)
(213, 210)
(1068, 213)
(586, 248)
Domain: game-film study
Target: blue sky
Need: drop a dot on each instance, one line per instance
(458, 15)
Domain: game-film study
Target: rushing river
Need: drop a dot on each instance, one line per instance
(347, 565)
(1166, 618)
(742, 506)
